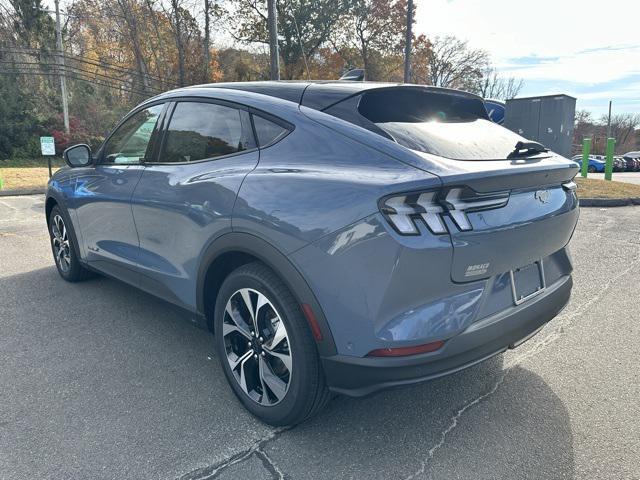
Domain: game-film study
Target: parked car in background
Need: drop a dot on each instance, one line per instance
(495, 110)
(633, 160)
(595, 165)
(619, 164)
(631, 164)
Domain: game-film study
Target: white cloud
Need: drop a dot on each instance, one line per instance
(568, 46)
(514, 28)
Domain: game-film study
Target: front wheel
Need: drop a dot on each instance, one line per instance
(591, 169)
(266, 349)
(64, 251)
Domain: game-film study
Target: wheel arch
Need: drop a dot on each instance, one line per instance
(53, 200)
(232, 250)
(48, 206)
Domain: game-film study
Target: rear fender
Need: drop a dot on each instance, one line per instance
(277, 261)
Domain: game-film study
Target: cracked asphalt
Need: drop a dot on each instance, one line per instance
(100, 381)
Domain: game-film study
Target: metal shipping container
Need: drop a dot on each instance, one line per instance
(547, 119)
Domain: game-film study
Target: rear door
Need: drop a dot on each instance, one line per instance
(185, 197)
(103, 194)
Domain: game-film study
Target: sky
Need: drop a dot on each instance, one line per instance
(586, 49)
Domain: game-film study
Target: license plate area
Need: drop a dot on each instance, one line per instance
(527, 282)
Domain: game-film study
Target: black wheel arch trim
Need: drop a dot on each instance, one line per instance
(274, 259)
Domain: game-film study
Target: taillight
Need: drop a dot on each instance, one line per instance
(402, 211)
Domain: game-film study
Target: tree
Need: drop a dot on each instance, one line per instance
(492, 85)
(623, 129)
(303, 27)
(375, 28)
(453, 64)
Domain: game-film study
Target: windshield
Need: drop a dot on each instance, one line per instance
(444, 124)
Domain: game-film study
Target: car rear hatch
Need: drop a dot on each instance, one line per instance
(507, 215)
(505, 204)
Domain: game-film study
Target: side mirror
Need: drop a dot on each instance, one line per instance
(78, 156)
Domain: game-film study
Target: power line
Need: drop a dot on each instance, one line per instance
(71, 67)
(97, 63)
(74, 77)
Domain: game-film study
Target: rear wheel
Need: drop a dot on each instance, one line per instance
(266, 349)
(591, 169)
(63, 248)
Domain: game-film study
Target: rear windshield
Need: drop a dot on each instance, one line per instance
(444, 124)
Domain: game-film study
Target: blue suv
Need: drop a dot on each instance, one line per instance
(337, 237)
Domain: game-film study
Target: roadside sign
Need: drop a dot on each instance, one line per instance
(47, 145)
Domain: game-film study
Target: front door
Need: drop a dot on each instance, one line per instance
(185, 199)
(103, 196)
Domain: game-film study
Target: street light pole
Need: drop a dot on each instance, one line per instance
(63, 76)
(272, 21)
(407, 43)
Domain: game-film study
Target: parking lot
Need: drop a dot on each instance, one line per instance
(98, 380)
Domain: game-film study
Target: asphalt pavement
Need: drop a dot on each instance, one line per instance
(101, 381)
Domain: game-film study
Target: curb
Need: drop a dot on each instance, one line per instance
(16, 193)
(608, 202)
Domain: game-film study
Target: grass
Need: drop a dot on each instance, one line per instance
(27, 174)
(593, 188)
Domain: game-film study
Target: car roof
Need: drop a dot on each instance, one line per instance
(319, 94)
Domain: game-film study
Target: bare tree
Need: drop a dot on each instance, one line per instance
(453, 64)
(492, 85)
(623, 129)
(375, 27)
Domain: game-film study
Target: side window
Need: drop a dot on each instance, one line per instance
(267, 131)
(131, 141)
(199, 131)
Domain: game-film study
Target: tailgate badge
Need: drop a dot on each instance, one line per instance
(474, 270)
(542, 196)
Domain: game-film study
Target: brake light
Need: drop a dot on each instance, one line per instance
(402, 211)
(406, 351)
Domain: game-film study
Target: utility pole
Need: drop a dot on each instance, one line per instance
(407, 43)
(63, 76)
(272, 21)
(609, 122)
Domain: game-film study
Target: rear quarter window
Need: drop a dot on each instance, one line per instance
(268, 132)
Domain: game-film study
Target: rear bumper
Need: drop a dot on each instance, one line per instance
(359, 376)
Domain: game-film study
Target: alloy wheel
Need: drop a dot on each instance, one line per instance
(257, 346)
(61, 247)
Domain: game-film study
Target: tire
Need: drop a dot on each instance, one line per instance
(283, 379)
(591, 169)
(64, 249)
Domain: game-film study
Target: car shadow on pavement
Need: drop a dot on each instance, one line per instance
(484, 422)
(102, 380)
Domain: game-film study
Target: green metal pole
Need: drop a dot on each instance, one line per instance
(608, 167)
(586, 149)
